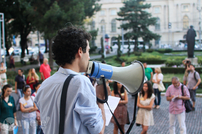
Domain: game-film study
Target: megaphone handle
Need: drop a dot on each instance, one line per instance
(105, 90)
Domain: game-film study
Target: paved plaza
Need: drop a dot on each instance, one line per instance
(161, 119)
(193, 119)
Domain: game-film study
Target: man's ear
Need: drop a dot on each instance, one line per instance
(80, 52)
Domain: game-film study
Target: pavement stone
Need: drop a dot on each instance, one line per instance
(161, 119)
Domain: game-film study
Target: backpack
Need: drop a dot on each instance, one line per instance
(187, 103)
(195, 76)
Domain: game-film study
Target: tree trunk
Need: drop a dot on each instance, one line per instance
(50, 54)
(23, 42)
(128, 47)
(46, 46)
(136, 45)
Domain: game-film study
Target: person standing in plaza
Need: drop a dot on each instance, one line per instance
(123, 64)
(45, 69)
(121, 111)
(3, 74)
(176, 105)
(145, 103)
(32, 78)
(7, 110)
(28, 109)
(192, 81)
(12, 62)
(148, 72)
(83, 114)
(157, 79)
(40, 57)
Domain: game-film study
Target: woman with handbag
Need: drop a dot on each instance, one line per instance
(158, 86)
(145, 102)
(121, 110)
(28, 109)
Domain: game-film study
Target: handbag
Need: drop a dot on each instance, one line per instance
(161, 87)
(187, 103)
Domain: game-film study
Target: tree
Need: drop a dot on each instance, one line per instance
(16, 21)
(51, 15)
(137, 21)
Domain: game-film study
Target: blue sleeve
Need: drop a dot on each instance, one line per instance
(88, 110)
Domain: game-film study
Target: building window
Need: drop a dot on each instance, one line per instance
(157, 26)
(102, 12)
(113, 25)
(156, 9)
(185, 23)
(103, 26)
(185, 8)
(113, 12)
(92, 25)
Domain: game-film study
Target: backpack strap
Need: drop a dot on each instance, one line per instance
(182, 89)
(195, 76)
(63, 103)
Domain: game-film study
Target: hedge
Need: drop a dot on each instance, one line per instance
(177, 70)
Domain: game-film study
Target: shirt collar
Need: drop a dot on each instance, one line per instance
(66, 71)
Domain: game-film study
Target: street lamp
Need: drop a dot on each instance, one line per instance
(3, 37)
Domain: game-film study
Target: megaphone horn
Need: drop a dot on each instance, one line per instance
(132, 76)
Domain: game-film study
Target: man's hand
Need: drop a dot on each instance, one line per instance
(16, 91)
(100, 93)
(194, 88)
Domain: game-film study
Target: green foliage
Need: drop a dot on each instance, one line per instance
(167, 50)
(150, 50)
(137, 21)
(199, 60)
(138, 53)
(92, 49)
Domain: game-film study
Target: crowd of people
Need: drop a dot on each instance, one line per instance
(83, 113)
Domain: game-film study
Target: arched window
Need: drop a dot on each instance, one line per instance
(92, 26)
(113, 25)
(103, 25)
(157, 26)
(185, 23)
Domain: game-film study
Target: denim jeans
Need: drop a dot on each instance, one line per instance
(29, 125)
(181, 121)
(39, 130)
(157, 94)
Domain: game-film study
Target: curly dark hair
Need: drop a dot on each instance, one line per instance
(3, 90)
(66, 44)
(150, 90)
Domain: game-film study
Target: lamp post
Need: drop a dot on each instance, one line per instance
(3, 37)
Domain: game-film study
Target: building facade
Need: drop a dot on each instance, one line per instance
(174, 19)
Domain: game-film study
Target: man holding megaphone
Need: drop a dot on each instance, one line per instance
(67, 100)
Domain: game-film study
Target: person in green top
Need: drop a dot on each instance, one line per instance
(148, 72)
(7, 110)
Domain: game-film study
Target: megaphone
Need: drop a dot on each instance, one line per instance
(132, 76)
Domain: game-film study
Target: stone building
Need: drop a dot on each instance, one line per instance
(174, 19)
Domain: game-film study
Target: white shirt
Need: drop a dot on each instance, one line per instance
(83, 115)
(27, 104)
(160, 76)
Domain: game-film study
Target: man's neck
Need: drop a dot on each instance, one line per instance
(74, 67)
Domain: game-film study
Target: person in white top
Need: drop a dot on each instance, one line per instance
(3, 74)
(145, 102)
(157, 79)
(28, 109)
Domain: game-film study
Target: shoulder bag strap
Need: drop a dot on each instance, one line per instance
(63, 103)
